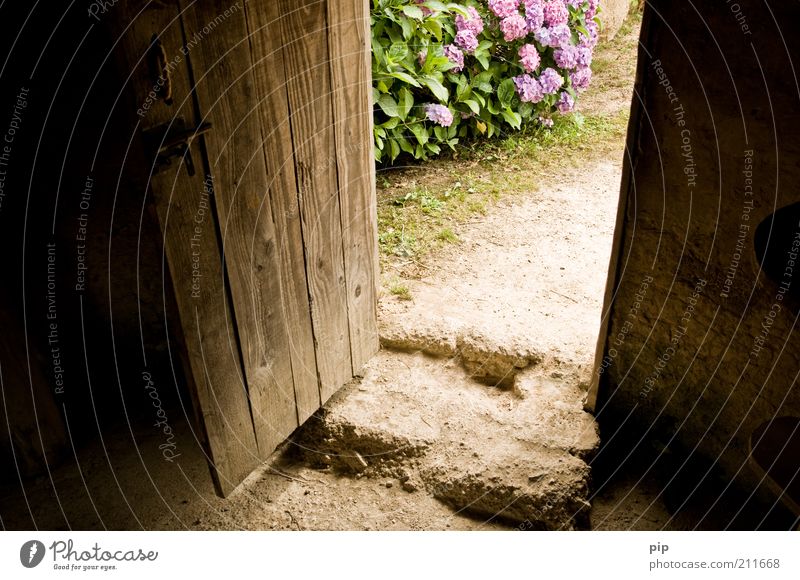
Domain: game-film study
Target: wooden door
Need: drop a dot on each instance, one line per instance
(267, 204)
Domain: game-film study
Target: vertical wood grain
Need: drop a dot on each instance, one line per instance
(349, 42)
(304, 31)
(263, 19)
(224, 83)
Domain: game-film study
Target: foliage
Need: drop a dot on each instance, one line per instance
(447, 72)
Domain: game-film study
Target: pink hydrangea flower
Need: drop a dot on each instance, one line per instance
(529, 57)
(513, 27)
(473, 23)
(581, 78)
(439, 114)
(534, 14)
(454, 55)
(503, 8)
(528, 89)
(551, 81)
(566, 57)
(467, 40)
(555, 13)
(565, 103)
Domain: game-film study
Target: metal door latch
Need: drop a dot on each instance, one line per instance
(173, 139)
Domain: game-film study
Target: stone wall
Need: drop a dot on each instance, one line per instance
(700, 344)
(613, 13)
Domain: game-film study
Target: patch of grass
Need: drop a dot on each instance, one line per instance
(447, 235)
(401, 291)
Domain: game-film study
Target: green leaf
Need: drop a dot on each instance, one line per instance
(405, 144)
(420, 132)
(408, 28)
(483, 82)
(391, 123)
(394, 149)
(484, 60)
(405, 77)
(506, 92)
(389, 106)
(458, 8)
(414, 12)
(398, 51)
(432, 25)
(435, 5)
(406, 102)
(512, 118)
(476, 108)
(436, 88)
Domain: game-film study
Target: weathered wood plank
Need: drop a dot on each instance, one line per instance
(349, 42)
(221, 62)
(188, 223)
(272, 101)
(304, 31)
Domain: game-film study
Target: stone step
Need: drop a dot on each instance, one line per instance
(518, 455)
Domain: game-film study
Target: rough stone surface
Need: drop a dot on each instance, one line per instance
(612, 16)
(519, 456)
(694, 363)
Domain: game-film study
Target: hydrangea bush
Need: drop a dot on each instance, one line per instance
(449, 71)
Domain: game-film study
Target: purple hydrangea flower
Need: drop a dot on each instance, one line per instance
(529, 57)
(555, 13)
(566, 57)
(454, 55)
(546, 122)
(551, 81)
(565, 103)
(513, 27)
(581, 78)
(439, 114)
(556, 36)
(534, 14)
(503, 8)
(583, 55)
(575, 3)
(473, 23)
(592, 11)
(528, 89)
(467, 40)
(594, 35)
